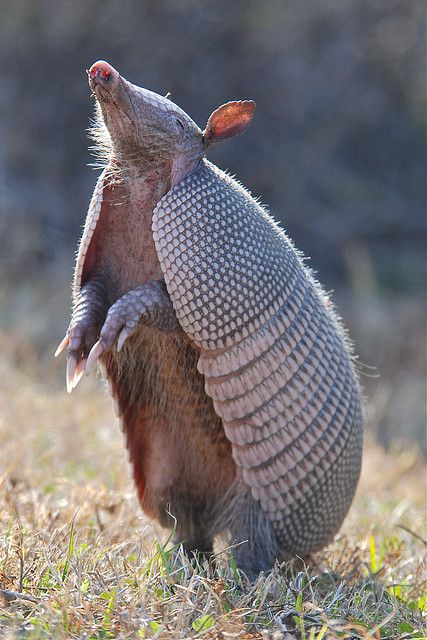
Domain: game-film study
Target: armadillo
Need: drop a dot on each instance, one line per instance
(233, 377)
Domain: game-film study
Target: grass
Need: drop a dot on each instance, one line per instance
(79, 560)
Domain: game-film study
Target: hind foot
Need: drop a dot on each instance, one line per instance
(254, 544)
(197, 553)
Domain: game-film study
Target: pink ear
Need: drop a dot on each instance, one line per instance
(229, 120)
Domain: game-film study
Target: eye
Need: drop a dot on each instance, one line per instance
(180, 123)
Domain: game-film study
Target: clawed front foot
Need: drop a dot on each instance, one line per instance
(86, 341)
(121, 321)
(79, 340)
(88, 315)
(148, 304)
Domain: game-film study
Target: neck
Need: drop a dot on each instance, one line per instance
(182, 165)
(165, 175)
(147, 187)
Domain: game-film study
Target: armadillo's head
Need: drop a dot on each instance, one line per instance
(149, 131)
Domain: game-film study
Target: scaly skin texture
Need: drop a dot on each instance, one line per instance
(276, 361)
(232, 374)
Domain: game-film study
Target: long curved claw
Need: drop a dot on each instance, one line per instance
(123, 336)
(93, 356)
(75, 370)
(80, 369)
(60, 348)
(71, 370)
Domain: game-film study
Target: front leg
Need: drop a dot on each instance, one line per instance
(148, 304)
(90, 310)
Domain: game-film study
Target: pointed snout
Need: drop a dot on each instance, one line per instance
(101, 73)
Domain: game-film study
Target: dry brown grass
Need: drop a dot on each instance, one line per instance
(79, 560)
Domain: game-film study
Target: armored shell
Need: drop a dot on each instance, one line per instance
(276, 361)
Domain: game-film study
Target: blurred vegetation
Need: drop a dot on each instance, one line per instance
(337, 151)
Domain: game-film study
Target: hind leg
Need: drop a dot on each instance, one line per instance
(255, 545)
(200, 545)
(193, 526)
(201, 550)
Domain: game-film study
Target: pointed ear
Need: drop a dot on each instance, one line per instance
(231, 119)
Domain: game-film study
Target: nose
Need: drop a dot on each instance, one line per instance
(101, 70)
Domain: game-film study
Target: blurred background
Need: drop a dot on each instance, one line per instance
(336, 150)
